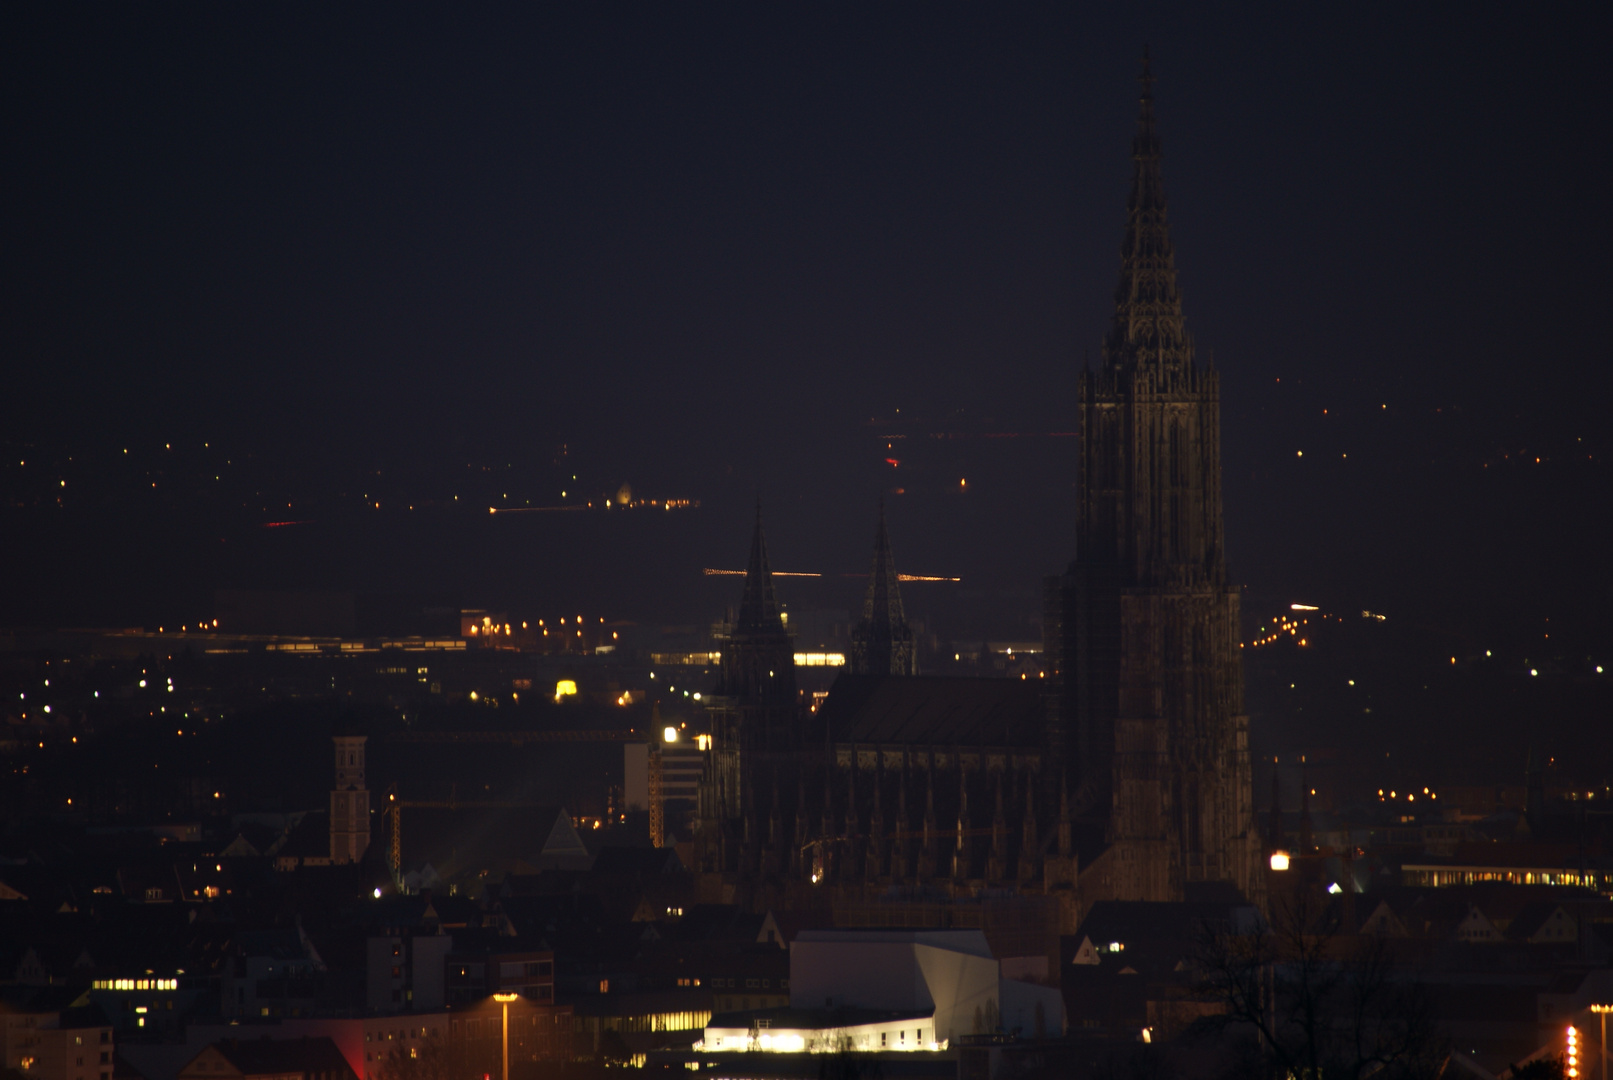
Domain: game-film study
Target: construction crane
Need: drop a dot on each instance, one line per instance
(518, 738)
(657, 808)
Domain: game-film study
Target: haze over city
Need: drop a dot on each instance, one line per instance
(604, 360)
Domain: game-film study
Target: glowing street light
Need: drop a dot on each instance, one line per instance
(1279, 860)
(504, 1000)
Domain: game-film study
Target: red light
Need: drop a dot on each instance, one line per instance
(892, 462)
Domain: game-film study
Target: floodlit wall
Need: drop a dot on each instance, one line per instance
(1032, 1011)
(949, 972)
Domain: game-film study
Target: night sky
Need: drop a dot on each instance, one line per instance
(723, 252)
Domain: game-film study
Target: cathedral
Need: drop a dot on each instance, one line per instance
(1124, 775)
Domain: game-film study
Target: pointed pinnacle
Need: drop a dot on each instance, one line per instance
(759, 609)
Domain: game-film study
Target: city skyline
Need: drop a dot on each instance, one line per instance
(547, 541)
(1380, 452)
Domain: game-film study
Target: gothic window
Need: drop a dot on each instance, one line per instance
(1111, 452)
(1192, 801)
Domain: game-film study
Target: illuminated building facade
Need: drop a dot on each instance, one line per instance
(67, 1045)
(1143, 627)
(882, 643)
(888, 991)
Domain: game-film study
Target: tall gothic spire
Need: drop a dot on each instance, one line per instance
(1147, 329)
(882, 643)
(759, 609)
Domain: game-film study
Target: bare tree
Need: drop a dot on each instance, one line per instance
(1320, 1005)
(846, 1062)
(428, 1059)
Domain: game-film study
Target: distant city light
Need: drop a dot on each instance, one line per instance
(1303, 607)
(818, 659)
(565, 688)
(1279, 860)
(670, 735)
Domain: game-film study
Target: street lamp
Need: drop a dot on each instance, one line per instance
(504, 1000)
(1601, 1012)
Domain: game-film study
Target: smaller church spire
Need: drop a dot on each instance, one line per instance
(901, 833)
(801, 828)
(1029, 847)
(882, 643)
(961, 850)
(928, 855)
(997, 868)
(759, 607)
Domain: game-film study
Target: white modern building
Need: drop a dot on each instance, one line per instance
(890, 990)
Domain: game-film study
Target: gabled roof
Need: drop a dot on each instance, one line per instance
(1382, 921)
(465, 841)
(933, 710)
(268, 1057)
(240, 847)
(1153, 937)
(717, 922)
(1543, 921)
